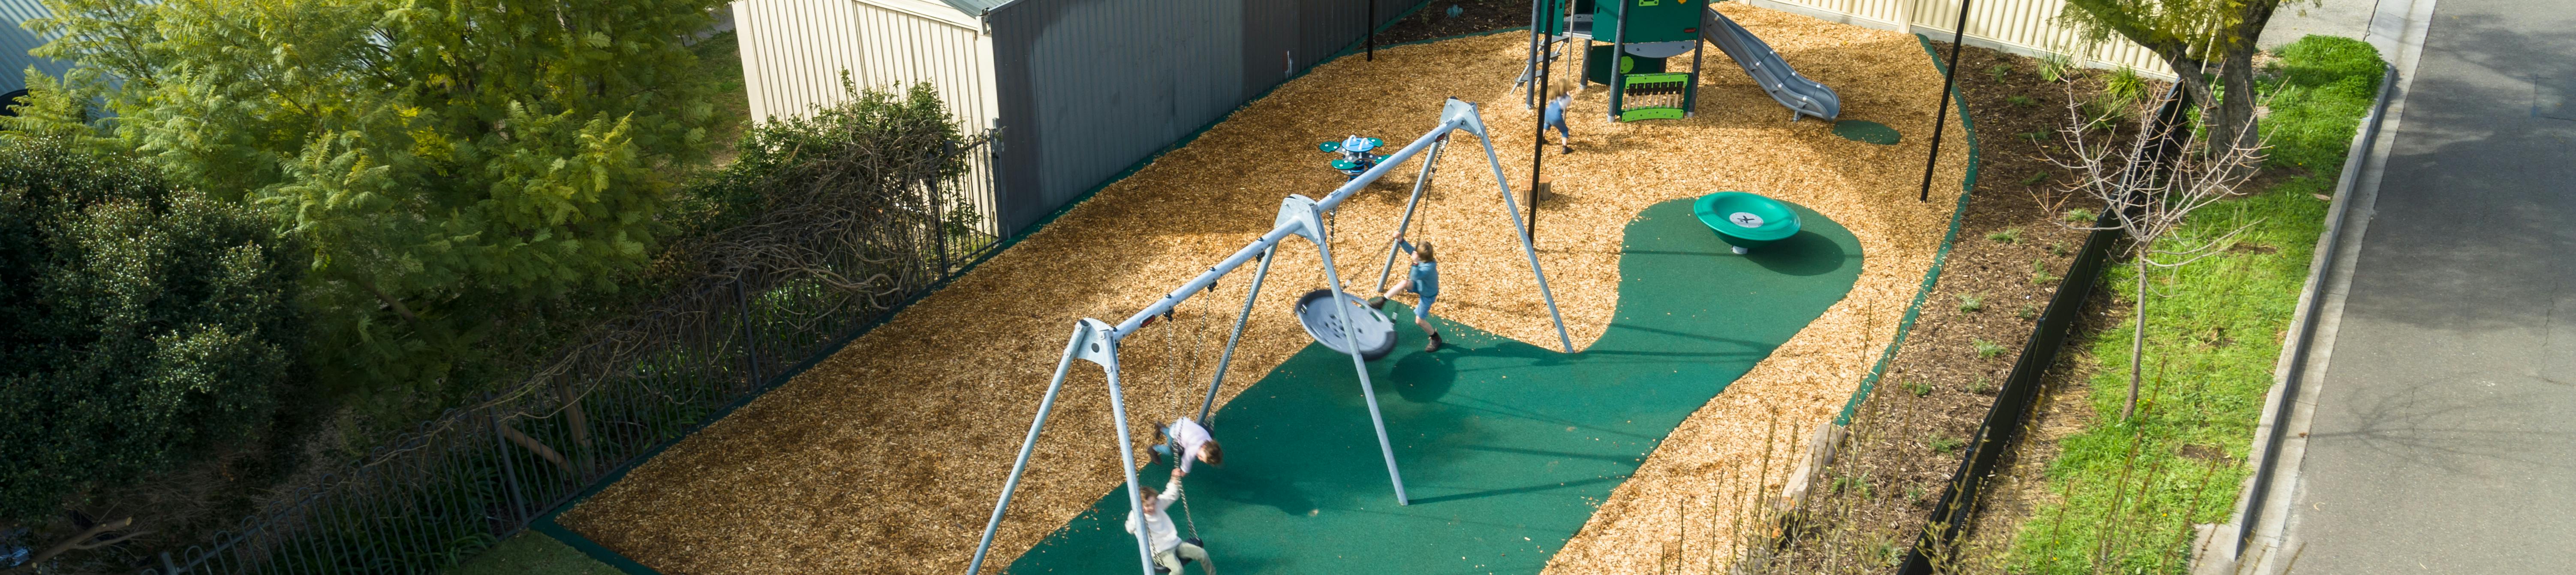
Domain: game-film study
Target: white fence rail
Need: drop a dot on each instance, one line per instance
(2028, 27)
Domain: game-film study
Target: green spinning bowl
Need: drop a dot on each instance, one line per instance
(1745, 220)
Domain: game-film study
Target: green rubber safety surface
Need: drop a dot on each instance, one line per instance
(1867, 132)
(1504, 445)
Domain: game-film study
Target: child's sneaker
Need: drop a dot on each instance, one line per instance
(1433, 346)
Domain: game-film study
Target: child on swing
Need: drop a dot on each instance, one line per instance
(1165, 540)
(1423, 279)
(1188, 439)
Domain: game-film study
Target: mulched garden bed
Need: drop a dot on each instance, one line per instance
(1908, 437)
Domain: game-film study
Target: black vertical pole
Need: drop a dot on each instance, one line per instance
(1941, 115)
(1690, 88)
(1368, 22)
(1538, 144)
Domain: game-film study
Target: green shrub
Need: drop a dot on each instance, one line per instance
(144, 322)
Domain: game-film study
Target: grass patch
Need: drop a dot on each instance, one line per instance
(2129, 491)
(1988, 349)
(2007, 236)
(532, 553)
(2039, 273)
(2325, 84)
(1970, 302)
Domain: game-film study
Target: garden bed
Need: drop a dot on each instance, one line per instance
(1907, 438)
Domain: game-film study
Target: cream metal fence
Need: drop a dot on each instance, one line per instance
(2028, 27)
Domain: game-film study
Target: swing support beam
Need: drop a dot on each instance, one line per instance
(1098, 342)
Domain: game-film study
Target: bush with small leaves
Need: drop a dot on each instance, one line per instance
(145, 322)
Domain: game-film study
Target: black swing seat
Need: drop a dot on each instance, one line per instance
(1185, 561)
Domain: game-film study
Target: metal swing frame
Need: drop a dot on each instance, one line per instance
(1097, 342)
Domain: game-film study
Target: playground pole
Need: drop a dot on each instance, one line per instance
(1941, 115)
(1539, 36)
(1538, 144)
(1368, 25)
(1030, 445)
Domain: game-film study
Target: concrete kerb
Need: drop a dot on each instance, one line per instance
(2281, 435)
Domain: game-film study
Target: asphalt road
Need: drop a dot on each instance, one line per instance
(2444, 438)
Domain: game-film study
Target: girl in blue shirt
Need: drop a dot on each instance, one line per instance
(1423, 279)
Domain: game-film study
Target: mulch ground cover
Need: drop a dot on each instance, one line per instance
(885, 458)
(1908, 437)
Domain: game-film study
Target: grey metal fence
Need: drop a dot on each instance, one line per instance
(477, 474)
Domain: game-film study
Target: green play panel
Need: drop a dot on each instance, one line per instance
(1867, 131)
(1505, 446)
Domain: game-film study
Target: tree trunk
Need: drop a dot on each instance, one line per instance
(2137, 342)
(2236, 73)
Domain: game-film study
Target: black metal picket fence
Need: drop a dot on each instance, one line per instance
(480, 473)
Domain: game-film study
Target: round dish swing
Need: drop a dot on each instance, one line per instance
(1370, 327)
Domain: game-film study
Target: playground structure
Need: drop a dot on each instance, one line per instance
(1745, 221)
(857, 466)
(1644, 37)
(1356, 158)
(1098, 342)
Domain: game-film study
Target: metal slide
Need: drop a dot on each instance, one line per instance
(1804, 97)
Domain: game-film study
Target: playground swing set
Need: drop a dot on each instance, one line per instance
(1644, 37)
(1351, 328)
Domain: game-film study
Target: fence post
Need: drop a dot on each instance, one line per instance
(750, 349)
(509, 473)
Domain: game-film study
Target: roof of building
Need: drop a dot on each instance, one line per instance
(15, 41)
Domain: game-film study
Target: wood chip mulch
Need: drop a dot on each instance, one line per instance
(886, 458)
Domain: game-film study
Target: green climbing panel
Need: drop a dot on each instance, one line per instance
(1657, 96)
(1506, 446)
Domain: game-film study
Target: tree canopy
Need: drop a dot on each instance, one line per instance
(441, 161)
(2195, 38)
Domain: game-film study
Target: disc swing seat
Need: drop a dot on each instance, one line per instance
(1370, 331)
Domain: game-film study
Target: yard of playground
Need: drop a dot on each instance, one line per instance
(887, 457)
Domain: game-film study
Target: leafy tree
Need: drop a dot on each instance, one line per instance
(2194, 37)
(144, 322)
(444, 161)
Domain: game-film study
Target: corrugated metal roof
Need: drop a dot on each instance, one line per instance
(15, 41)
